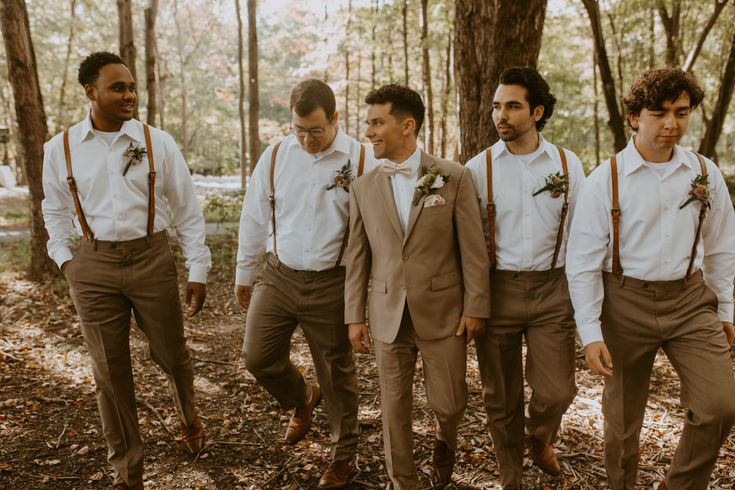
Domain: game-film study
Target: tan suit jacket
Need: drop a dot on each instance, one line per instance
(439, 266)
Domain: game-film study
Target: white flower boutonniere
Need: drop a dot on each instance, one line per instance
(134, 154)
(430, 181)
(342, 178)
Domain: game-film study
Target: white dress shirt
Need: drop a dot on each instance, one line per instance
(116, 205)
(404, 186)
(526, 226)
(310, 220)
(656, 237)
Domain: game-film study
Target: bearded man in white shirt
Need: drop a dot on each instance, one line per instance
(121, 177)
(295, 211)
(528, 188)
(651, 264)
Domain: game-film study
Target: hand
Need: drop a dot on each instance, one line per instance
(598, 358)
(359, 335)
(196, 292)
(471, 327)
(242, 293)
(729, 332)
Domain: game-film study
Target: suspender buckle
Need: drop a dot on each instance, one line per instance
(491, 208)
(615, 213)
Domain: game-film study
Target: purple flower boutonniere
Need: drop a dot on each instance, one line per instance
(342, 178)
(699, 192)
(134, 154)
(556, 184)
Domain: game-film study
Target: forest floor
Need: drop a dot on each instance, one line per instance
(50, 434)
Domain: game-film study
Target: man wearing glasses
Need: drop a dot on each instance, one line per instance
(295, 211)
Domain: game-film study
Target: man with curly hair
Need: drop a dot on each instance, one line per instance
(528, 187)
(121, 178)
(651, 263)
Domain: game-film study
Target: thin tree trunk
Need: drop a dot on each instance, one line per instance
(60, 113)
(694, 53)
(358, 103)
(446, 93)
(241, 98)
(427, 76)
(617, 43)
(182, 82)
(23, 76)
(253, 94)
(372, 51)
(161, 90)
(615, 122)
(489, 37)
(708, 144)
(651, 38)
(151, 52)
(346, 115)
(127, 40)
(405, 41)
(672, 28)
(596, 110)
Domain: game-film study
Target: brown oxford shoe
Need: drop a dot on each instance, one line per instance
(337, 474)
(193, 436)
(443, 461)
(123, 486)
(300, 422)
(543, 455)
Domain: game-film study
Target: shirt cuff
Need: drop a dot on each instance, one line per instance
(198, 273)
(725, 312)
(590, 333)
(243, 277)
(62, 255)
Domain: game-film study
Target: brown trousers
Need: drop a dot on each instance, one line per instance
(445, 363)
(535, 305)
(107, 281)
(282, 299)
(638, 318)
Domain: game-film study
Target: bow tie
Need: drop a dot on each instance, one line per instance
(390, 169)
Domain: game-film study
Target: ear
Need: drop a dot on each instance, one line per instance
(538, 112)
(633, 120)
(409, 126)
(90, 91)
(335, 118)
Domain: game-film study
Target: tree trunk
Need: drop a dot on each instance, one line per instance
(241, 99)
(253, 95)
(673, 31)
(446, 93)
(31, 117)
(427, 76)
(694, 53)
(596, 110)
(161, 90)
(651, 38)
(346, 115)
(151, 52)
(372, 51)
(405, 41)
(490, 36)
(358, 102)
(182, 81)
(714, 129)
(60, 119)
(615, 123)
(127, 40)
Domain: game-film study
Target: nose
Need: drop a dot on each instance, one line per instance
(369, 133)
(669, 120)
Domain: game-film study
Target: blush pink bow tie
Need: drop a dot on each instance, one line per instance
(390, 170)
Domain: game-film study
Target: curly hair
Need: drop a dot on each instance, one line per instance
(539, 93)
(654, 87)
(311, 94)
(90, 68)
(405, 102)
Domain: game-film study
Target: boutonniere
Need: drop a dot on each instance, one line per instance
(342, 178)
(699, 192)
(556, 184)
(430, 181)
(134, 154)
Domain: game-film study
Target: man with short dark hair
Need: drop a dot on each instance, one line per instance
(120, 177)
(416, 239)
(650, 264)
(295, 211)
(528, 187)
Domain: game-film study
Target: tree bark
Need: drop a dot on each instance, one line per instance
(446, 93)
(60, 119)
(694, 53)
(253, 95)
(31, 118)
(490, 36)
(241, 98)
(346, 115)
(712, 134)
(427, 76)
(672, 27)
(151, 52)
(596, 110)
(405, 41)
(615, 122)
(358, 102)
(372, 51)
(182, 81)
(127, 40)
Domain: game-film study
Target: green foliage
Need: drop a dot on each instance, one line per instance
(223, 208)
(15, 256)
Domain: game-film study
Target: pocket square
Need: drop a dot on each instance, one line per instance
(434, 200)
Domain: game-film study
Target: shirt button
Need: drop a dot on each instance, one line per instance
(405, 257)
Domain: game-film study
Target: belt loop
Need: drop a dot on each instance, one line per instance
(622, 281)
(94, 242)
(148, 241)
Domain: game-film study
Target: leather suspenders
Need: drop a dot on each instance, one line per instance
(491, 209)
(272, 200)
(87, 232)
(617, 268)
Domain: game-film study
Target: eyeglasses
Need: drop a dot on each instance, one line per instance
(313, 132)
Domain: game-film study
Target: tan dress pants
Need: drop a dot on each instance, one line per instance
(282, 299)
(638, 318)
(445, 364)
(107, 281)
(535, 305)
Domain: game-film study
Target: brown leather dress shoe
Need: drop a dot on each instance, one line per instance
(193, 436)
(123, 486)
(337, 474)
(543, 455)
(662, 486)
(443, 460)
(300, 422)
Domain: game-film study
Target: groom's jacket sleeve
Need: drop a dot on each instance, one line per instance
(359, 258)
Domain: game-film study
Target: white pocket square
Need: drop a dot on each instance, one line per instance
(434, 200)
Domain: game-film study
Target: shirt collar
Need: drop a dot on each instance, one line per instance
(132, 128)
(500, 149)
(413, 162)
(632, 159)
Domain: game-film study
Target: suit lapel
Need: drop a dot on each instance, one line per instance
(426, 161)
(389, 202)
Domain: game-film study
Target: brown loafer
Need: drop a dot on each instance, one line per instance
(543, 455)
(337, 475)
(123, 486)
(300, 422)
(443, 461)
(193, 436)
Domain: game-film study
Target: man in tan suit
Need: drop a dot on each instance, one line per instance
(416, 236)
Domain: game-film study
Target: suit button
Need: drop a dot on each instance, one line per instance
(405, 257)
(515, 275)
